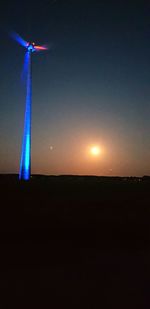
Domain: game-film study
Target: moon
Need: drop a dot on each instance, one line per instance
(95, 150)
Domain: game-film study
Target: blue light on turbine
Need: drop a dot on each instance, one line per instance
(25, 165)
(31, 47)
(24, 73)
(27, 157)
(25, 162)
(18, 39)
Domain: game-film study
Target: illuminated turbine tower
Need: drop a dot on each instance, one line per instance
(25, 162)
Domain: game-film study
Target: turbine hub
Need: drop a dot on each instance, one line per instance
(31, 47)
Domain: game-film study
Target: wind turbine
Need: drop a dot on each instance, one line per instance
(25, 161)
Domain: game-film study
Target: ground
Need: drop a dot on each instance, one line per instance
(75, 242)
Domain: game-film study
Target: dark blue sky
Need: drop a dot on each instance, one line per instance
(91, 87)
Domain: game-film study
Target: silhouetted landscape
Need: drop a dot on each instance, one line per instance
(75, 242)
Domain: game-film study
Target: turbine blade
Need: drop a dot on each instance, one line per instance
(25, 67)
(15, 36)
(38, 48)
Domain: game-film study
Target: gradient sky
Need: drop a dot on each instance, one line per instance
(91, 87)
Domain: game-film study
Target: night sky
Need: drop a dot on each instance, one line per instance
(92, 87)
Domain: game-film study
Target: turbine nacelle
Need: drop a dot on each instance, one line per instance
(31, 47)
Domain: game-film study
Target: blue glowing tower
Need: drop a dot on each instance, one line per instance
(25, 162)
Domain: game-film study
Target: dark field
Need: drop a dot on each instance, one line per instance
(75, 242)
